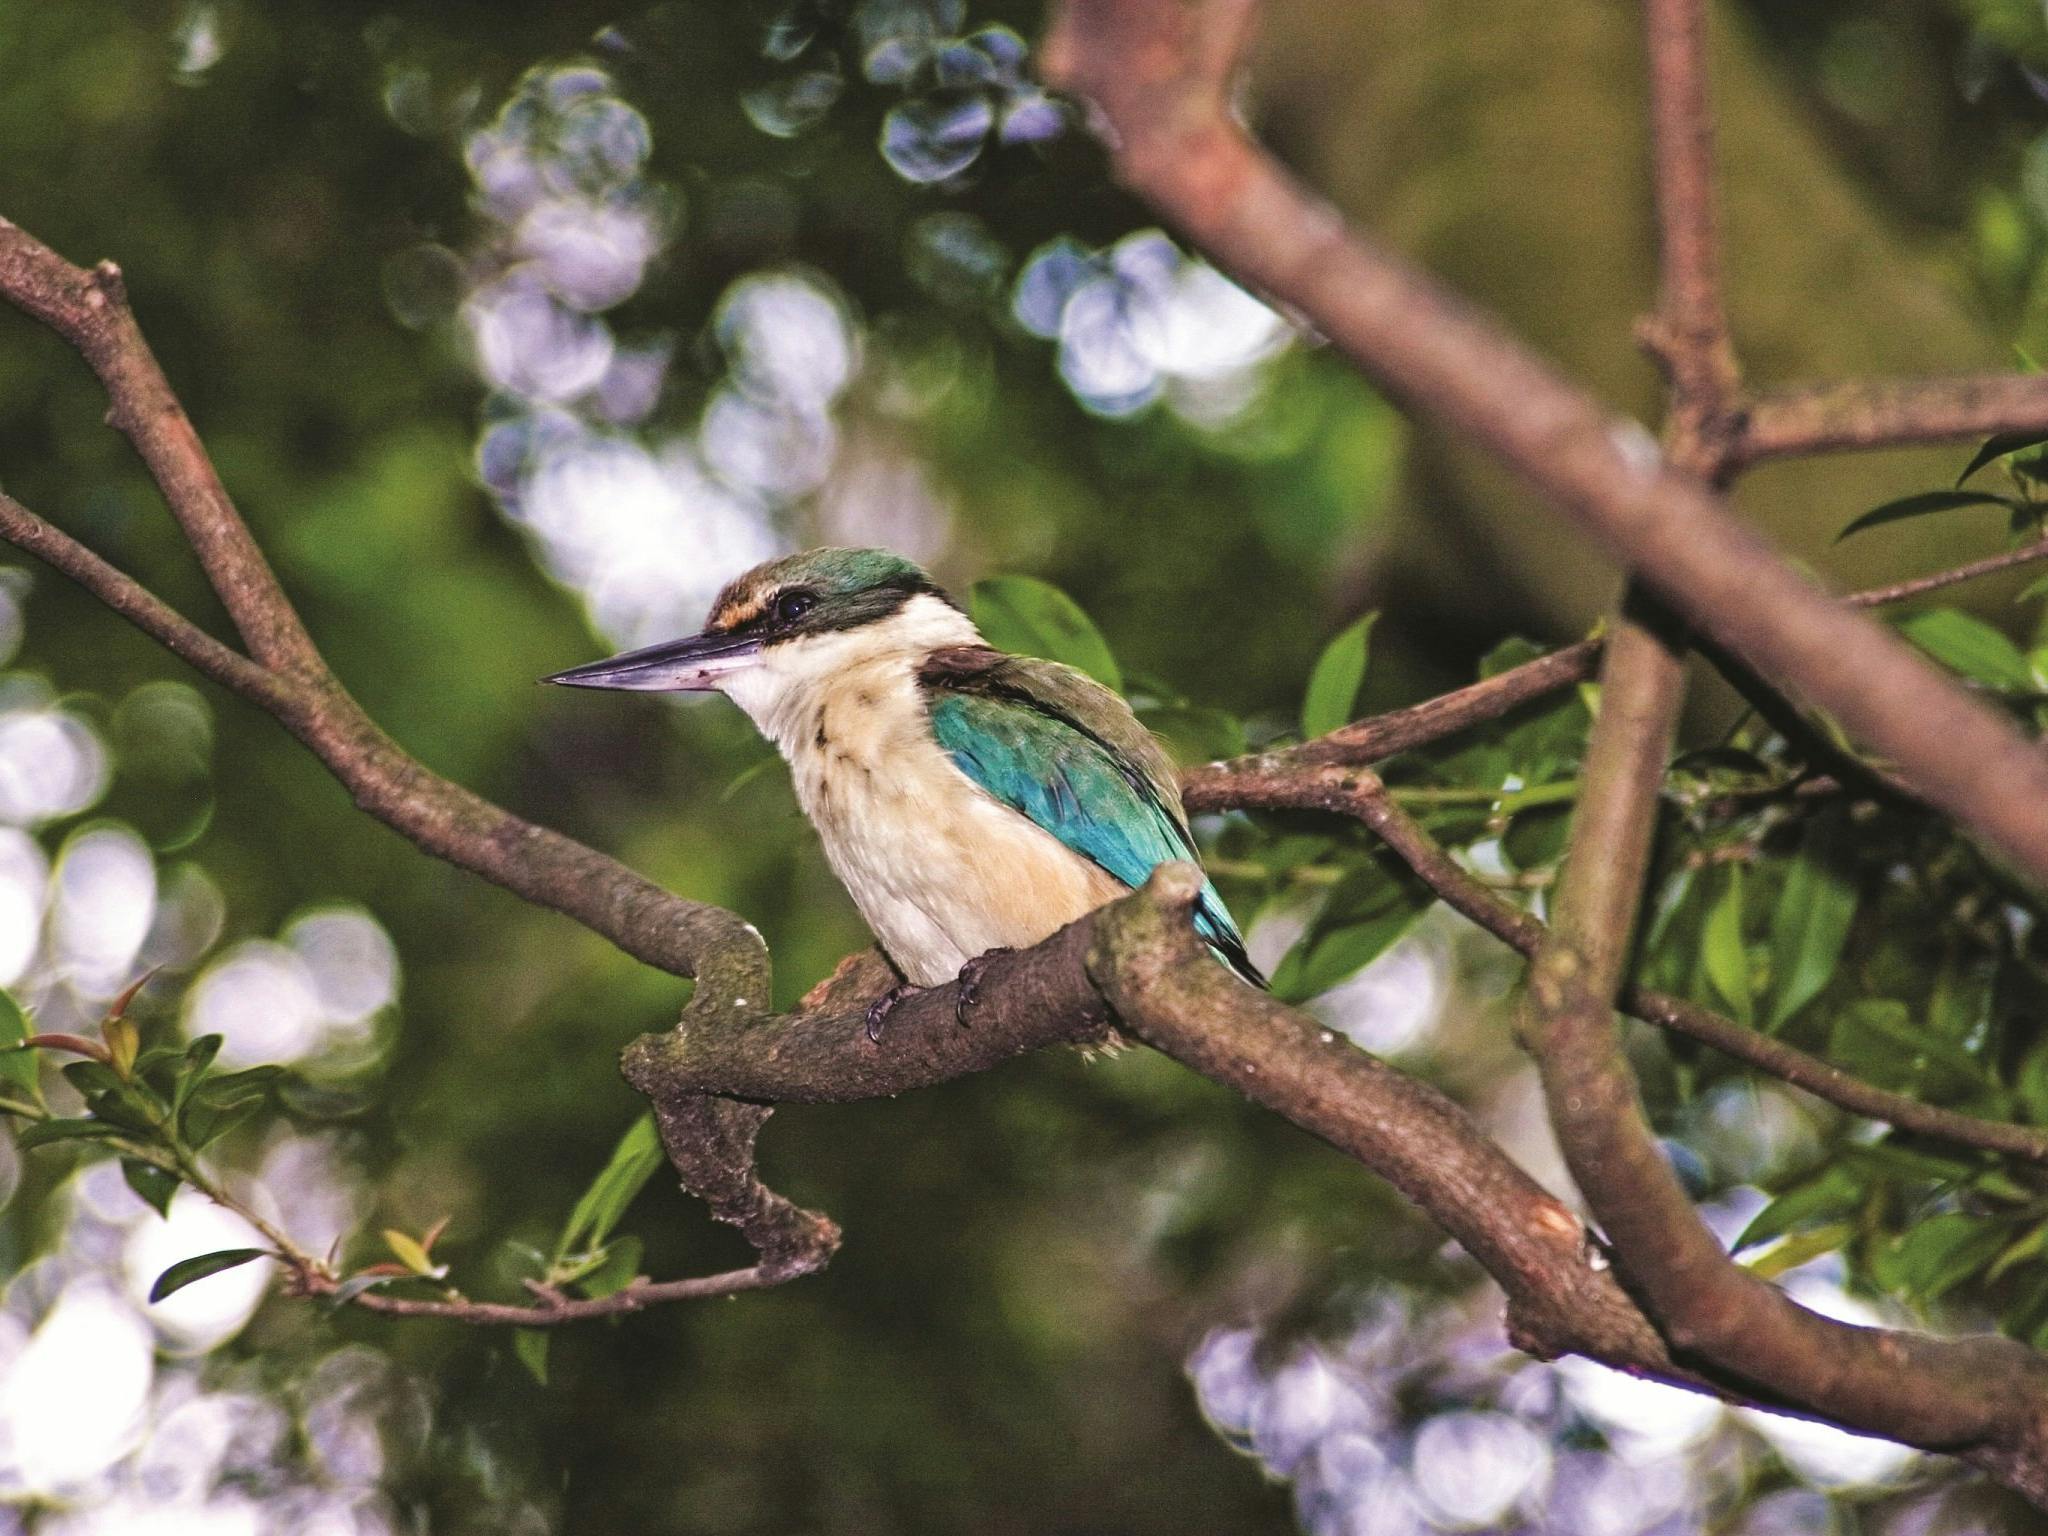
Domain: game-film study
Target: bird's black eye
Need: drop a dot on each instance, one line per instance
(792, 606)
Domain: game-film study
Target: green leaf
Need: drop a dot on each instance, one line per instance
(155, 1185)
(1997, 448)
(1881, 1039)
(185, 1271)
(530, 1348)
(1035, 618)
(198, 1057)
(1969, 646)
(121, 1099)
(46, 1131)
(2025, 1247)
(1921, 506)
(205, 1124)
(1941, 1252)
(1536, 838)
(232, 1087)
(1829, 1195)
(221, 1102)
(1334, 682)
(1512, 652)
(620, 1268)
(1365, 915)
(18, 1065)
(355, 1285)
(1801, 1248)
(1723, 952)
(408, 1251)
(1811, 923)
(632, 1164)
(1900, 1162)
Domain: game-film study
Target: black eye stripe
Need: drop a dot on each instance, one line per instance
(806, 610)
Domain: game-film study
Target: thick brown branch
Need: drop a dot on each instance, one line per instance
(1891, 413)
(1140, 956)
(1149, 67)
(1167, 992)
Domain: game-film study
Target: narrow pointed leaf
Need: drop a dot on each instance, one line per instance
(192, 1073)
(407, 1250)
(1801, 1248)
(1333, 684)
(1725, 954)
(1998, 447)
(1925, 503)
(1363, 917)
(1834, 1192)
(632, 1164)
(185, 1271)
(204, 1126)
(356, 1285)
(621, 1267)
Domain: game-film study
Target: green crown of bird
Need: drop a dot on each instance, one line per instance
(971, 801)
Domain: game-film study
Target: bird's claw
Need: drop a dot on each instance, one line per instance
(970, 984)
(880, 1009)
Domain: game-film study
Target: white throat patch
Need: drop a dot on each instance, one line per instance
(784, 690)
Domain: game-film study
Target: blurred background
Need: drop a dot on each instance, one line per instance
(517, 328)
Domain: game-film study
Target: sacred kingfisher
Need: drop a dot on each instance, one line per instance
(969, 800)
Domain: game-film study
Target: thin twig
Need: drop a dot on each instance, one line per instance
(1920, 586)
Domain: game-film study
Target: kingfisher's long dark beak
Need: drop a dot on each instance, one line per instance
(694, 665)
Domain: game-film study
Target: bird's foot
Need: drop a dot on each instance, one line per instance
(880, 1009)
(970, 984)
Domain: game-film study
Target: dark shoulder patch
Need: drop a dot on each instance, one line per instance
(960, 664)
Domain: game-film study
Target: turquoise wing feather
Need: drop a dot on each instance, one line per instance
(1058, 747)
